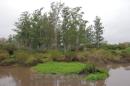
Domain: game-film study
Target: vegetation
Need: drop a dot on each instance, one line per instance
(71, 68)
(100, 75)
(3, 55)
(98, 31)
(62, 28)
(61, 68)
(57, 41)
(32, 57)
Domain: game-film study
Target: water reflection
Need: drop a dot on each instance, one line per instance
(8, 81)
(55, 80)
(118, 77)
(69, 80)
(18, 76)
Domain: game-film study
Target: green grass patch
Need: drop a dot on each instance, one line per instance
(60, 68)
(100, 75)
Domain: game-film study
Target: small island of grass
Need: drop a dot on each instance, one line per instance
(60, 68)
(71, 68)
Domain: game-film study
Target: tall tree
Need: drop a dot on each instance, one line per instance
(89, 32)
(62, 26)
(35, 30)
(55, 18)
(23, 28)
(73, 28)
(98, 31)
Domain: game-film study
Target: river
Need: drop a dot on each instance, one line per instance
(119, 75)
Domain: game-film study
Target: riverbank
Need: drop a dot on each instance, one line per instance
(95, 56)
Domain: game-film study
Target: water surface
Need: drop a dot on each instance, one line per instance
(22, 76)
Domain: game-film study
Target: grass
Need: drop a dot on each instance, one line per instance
(100, 75)
(60, 68)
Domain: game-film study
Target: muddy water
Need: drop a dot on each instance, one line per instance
(21, 76)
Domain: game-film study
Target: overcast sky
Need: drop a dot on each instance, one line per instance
(115, 15)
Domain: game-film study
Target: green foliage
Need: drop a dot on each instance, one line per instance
(61, 27)
(126, 52)
(98, 31)
(113, 46)
(89, 36)
(73, 28)
(60, 68)
(100, 75)
(127, 49)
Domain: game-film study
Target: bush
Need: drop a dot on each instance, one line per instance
(126, 52)
(43, 57)
(25, 58)
(70, 56)
(127, 49)
(10, 48)
(82, 55)
(112, 46)
(56, 55)
(3, 55)
(103, 55)
(8, 61)
(100, 75)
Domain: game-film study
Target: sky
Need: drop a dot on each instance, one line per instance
(114, 14)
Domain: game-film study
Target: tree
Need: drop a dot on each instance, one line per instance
(61, 27)
(98, 31)
(73, 28)
(55, 18)
(89, 32)
(42, 30)
(23, 29)
(35, 30)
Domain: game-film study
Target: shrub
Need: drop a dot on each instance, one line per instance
(126, 52)
(82, 55)
(99, 75)
(128, 49)
(43, 57)
(103, 55)
(8, 61)
(3, 55)
(70, 56)
(10, 48)
(56, 55)
(25, 57)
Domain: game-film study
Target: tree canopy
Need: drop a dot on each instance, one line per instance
(60, 28)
